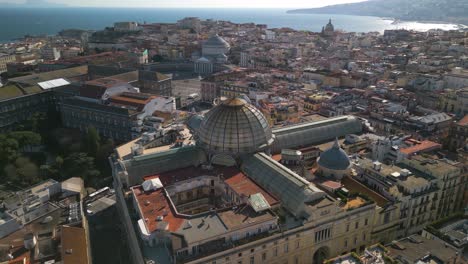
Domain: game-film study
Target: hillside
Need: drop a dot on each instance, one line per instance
(454, 11)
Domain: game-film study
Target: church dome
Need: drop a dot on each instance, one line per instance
(329, 27)
(216, 41)
(334, 159)
(234, 127)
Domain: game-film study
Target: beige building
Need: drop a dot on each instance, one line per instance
(449, 179)
(4, 60)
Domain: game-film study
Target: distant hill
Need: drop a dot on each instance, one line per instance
(454, 11)
(33, 4)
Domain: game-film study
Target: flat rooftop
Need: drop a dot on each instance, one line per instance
(355, 187)
(155, 204)
(424, 146)
(125, 151)
(202, 228)
(74, 245)
(244, 215)
(416, 247)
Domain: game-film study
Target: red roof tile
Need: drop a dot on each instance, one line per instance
(243, 185)
(424, 146)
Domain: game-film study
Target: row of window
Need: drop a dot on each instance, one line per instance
(355, 240)
(356, 224)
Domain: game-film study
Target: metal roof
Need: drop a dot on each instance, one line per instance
(292, 189)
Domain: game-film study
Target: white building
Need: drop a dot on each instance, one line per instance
(126, 26)
(456, 79)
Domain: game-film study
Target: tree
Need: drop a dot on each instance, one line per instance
(8, 150)
(79, 165)
(26, 138)
(22, 172)
(92, 141)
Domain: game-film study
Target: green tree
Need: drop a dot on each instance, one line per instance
(22, 172)
(92, 141)
(8, 150)
(79, 165)
(26, 138)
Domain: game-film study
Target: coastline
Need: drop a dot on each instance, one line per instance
(397, 21)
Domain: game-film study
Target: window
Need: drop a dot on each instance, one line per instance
(296, 260)
(366, 221)
(252, 250)
(240, 255)
(275, 252)
(286, 248)
(263, 256)
(364, 237)
(346, 243)
(356, 225)
(298, 243)
(387, 218)
(252, 260)
(347, 228)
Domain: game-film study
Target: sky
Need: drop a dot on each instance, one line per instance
(186, 3)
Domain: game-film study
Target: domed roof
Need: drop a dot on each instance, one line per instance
(334, 158)
(216, 41)
(329, 26)
(235, 127)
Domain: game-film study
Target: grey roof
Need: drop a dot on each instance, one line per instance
(202, 228)
(290, 188)
(194, 122)
(334, 158)
(432, 119)
(417, 247)
(310, 133)
(235, 127)
(160, 162)
(216, 40)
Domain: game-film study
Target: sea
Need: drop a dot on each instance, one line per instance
(18, 22)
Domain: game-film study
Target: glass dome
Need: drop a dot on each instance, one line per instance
(235, 127)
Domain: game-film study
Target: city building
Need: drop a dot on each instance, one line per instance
(223, 175)
(49, 224)
(4, 60)
(126, 26)
(214, 51)
(155, 83)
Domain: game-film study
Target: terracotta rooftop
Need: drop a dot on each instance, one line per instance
(464, 121)
(424, 146)
(129, 99)
(154, 204)
(243, 185)
(74, 245)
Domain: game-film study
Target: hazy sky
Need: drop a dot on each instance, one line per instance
(190, 3)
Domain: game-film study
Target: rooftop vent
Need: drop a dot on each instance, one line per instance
(377, 165)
